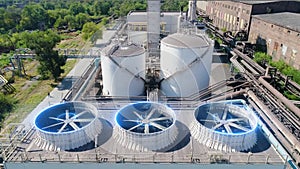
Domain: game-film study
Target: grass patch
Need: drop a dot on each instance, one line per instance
(29, 93)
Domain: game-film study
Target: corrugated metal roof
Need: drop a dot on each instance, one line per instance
(185, 41)
(285, 19)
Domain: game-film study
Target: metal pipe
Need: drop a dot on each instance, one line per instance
(292, 143)
(229, 95)
(287, 102)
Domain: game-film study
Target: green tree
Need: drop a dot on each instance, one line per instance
(262, 58)
(89, 29)
(34, 16)
(6, 105)
(71, 21)
(59, 23)
(81, 19)
(43, 43)
(76, 8)
(48, 5)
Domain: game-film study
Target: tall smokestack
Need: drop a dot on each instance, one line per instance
(153, 22)
(192, 10)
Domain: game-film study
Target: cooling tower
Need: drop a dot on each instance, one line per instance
(67, 126)
(145, 126)
(226, 126)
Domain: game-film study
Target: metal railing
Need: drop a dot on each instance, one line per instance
(150, 157)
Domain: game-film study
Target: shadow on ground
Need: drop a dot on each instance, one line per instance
(261, 145)
(67, 83)
(182, 140)
(104, 136)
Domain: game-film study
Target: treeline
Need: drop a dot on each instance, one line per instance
(59, 15)
(20, 26)
(65, 14)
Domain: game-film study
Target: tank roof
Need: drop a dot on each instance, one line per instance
(185, 41)
(117, 50)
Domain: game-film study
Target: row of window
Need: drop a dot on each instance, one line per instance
(235, 8)
(233, 20)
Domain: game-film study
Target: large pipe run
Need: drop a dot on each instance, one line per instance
(284, 100)
(292, 144)
(229, 95)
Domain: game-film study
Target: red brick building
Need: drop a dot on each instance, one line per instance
(235, 15)
(280, 34)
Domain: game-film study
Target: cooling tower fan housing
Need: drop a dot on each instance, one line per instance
(145, 126)
(227, 126)
(67, 126)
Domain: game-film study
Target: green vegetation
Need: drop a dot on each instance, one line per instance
(29, 93)
(6, 105)
(263, 59)
(40, 26)
(175, 5)
(89, 29)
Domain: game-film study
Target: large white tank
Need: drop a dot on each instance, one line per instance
(123, 70)
(185, 64)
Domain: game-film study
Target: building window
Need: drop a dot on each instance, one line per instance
(293, 57)
(283, 49)
(269, 42)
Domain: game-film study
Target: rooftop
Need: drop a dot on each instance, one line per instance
(185, 40)
(255, 2)
(285, 19)
(123, 50)
(162, 13)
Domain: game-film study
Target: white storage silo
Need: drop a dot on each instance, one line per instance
(123, 70)
(185, 64)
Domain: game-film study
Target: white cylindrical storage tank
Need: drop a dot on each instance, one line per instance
(185, 64)
(123, 70)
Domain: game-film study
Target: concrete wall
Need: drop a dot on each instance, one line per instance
(137, 21)
(201, 5)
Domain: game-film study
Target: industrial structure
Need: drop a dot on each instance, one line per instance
(155, 104)
(271, 25)
(279, 35)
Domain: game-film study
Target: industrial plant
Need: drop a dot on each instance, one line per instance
(151, 99)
